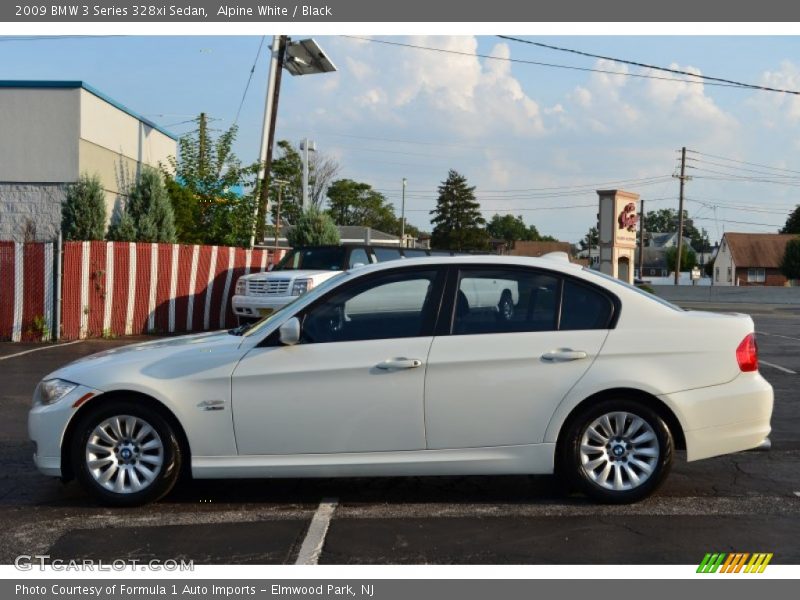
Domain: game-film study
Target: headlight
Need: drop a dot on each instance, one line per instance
(53, 390)
(301, 286)
(241, 287)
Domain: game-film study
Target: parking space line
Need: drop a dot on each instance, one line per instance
(311, 548)
(40, 348)
(778, 335)
(780, 368)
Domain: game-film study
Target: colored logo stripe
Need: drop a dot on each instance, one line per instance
(735, 562)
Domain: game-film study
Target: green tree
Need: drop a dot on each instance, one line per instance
(790, 264)
(665, 220)
(186, 209)
(150, 209)
(313, 228)
(792, 222)
(123, 229)
(202, 182)
(83, 214)
(354, 203)
(512, 229)
(688, 259)
(457, 220)
(591, 239)
(508, 228)
(287, 166)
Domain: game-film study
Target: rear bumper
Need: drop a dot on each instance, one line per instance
(723, 419)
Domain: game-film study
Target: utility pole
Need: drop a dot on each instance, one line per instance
(268, 134)
(278, 216)
(641, 239)
(403, 215)
(682, 178)
(202, 143)
(306, 146)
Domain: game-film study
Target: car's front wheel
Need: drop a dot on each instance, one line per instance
(125, 454)
(617, 451)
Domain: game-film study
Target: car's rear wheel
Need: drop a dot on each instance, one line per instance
(617, 451)
(125, 454)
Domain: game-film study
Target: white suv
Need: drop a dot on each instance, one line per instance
(302, 269)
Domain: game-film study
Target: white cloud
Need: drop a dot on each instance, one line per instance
(775, 107)
(687, 101)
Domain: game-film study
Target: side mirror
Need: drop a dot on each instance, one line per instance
(289, 332)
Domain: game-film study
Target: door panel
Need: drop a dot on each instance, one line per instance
(324, 398)
(501, 389)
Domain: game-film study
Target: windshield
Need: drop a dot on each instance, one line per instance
(639, 291)
(281, 314)
(313, 259)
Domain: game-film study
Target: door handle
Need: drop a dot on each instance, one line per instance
(396, 364)
(564, 355)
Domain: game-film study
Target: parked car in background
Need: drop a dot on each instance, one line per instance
(402, 369)
(260, 294)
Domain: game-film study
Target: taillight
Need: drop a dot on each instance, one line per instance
(747, 353)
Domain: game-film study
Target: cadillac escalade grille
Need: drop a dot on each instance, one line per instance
(268, 287)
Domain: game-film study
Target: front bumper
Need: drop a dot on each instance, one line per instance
(259, 306)
(47, 425)
(726, 418)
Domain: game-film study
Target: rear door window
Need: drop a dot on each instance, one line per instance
(584, 307)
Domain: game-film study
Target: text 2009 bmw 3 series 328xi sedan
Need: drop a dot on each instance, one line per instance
(435, 366)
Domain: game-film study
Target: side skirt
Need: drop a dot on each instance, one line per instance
(531, 459)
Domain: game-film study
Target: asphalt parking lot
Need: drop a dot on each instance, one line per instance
(747, 502)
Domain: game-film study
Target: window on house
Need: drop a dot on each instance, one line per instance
(716, 273)
(730, 274)
(756, 275)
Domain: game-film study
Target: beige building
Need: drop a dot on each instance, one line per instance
(54, 131)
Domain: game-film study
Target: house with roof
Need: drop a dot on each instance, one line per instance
(351, 234)
(55, 131)
(749, 259)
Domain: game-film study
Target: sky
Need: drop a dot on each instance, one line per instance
(536, 141)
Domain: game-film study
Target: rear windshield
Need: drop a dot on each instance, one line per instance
(313, 259)
(639, 291)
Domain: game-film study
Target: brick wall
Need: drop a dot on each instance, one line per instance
(25, 205)
(772, 277)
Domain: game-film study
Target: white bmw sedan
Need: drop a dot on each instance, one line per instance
(434, 366)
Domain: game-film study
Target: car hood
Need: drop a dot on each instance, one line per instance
(284, 274)
(97, 369)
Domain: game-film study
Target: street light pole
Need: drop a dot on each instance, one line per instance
(268, 133)
(299, 58)
(403, 215)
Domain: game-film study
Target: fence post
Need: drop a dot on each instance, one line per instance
(57, 288)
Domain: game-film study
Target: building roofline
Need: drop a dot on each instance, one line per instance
(70, 85)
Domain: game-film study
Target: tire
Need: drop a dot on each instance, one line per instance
(505, 307)
(612, 468)
(125, 454)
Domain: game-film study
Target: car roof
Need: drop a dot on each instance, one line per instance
(553, 263)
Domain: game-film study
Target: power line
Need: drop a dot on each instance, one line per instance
(738, 222)
(742, 162)
(249, 79)
(705, 78)
(577, 186)
(746, 170)
(738, 208)
(541, 64)
(40, 38)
